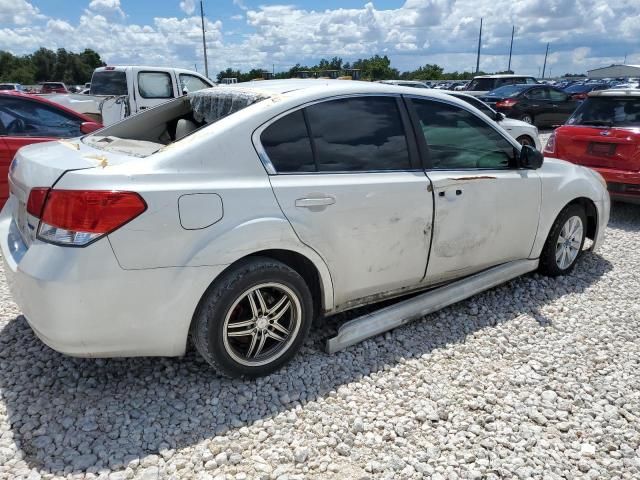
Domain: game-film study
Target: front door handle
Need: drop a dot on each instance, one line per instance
(310, 202)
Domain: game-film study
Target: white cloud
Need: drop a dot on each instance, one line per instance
(418, 32)
(188, 6)
(107, 7)
(18, 12)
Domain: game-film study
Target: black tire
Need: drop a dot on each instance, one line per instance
(549, 265)
(527, 118)
(526, 140)
(229, 297)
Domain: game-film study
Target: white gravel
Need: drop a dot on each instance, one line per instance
(539, 378)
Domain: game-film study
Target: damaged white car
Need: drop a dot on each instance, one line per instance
(238, 215)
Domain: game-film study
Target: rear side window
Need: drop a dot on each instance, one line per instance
(358, 135)
(155, 85)
(109, 83)
(557, 95)
(288, 146)
(457, 139)
(191, 83)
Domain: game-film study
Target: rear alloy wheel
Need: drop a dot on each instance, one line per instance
(565, 242)
(527, 118)
(253, 319)
(526, 140)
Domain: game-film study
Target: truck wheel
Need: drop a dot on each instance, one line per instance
(564, 243)
(253, 319)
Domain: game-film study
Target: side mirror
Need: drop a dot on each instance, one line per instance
(530, 158)
(89, 127)
(500, 116)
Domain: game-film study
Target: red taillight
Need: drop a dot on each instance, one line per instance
(579, 96)
(508, 103)
(78, 217)
(550, 147)
(35, 203)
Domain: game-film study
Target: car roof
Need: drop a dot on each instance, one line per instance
(504, 76)
(308, 87)
(616, 92)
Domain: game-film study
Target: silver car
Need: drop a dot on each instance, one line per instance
(237, 215)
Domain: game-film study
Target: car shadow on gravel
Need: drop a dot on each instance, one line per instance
(77, 415)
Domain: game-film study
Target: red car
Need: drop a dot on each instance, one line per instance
(54, 87)
(604, 134)
(26, 119)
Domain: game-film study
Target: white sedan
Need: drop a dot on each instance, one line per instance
(239, 215)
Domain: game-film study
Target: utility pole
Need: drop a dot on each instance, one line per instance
(479, 44)
(204, 42)
(544, 68)
(513, 31)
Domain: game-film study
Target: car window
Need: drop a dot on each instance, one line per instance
(482, 84)
(155, 85)
(287, 144)
(192, 83)
(457, 139)
(25, 118)
(109, 82)
(557, 95)
(529, 81)
(538, 94)
(608, 111)
(358, 135)
(479, 104)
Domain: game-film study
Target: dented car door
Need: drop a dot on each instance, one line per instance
(486, 209)
(350, 182)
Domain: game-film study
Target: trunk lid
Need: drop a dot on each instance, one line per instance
(41, 165)
(600, 147)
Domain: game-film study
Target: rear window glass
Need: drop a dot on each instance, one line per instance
(358, 135)
(109, 83)
(482, 84)
(608, 111)
(288, 146)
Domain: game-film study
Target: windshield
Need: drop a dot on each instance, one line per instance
(480, 105)
(508, 91)
(579, 88)
(608, 112)
(109, 83)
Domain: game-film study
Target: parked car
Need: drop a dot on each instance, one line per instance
(580, 91)
(523, 132)
(539, 105)
(604, 134)
(11, 87)
(405, 83)
(27, 119)
(483, 84)
(54, 87)
(243, 226)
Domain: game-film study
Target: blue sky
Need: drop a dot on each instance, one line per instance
(243, 34)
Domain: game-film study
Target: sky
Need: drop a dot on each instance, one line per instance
(245, 34)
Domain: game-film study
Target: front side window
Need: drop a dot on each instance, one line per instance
(358, 135)
(287, 144)
(557, 95)
(457, 139)
(191, 83)
(530, 81)
(25, 118)
(155, 85)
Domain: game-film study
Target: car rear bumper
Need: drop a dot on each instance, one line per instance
(80, 302)
(623, 185)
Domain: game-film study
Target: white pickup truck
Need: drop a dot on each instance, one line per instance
(120, 91)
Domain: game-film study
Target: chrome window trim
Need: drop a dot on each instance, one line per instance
(266, 161)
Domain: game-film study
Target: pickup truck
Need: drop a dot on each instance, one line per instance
(120, 91)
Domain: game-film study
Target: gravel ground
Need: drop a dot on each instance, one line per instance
(539, 378)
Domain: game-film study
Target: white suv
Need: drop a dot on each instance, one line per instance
(240, 214)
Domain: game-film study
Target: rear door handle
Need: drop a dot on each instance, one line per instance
(310, 202)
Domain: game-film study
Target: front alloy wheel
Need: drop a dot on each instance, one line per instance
(569, 242)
